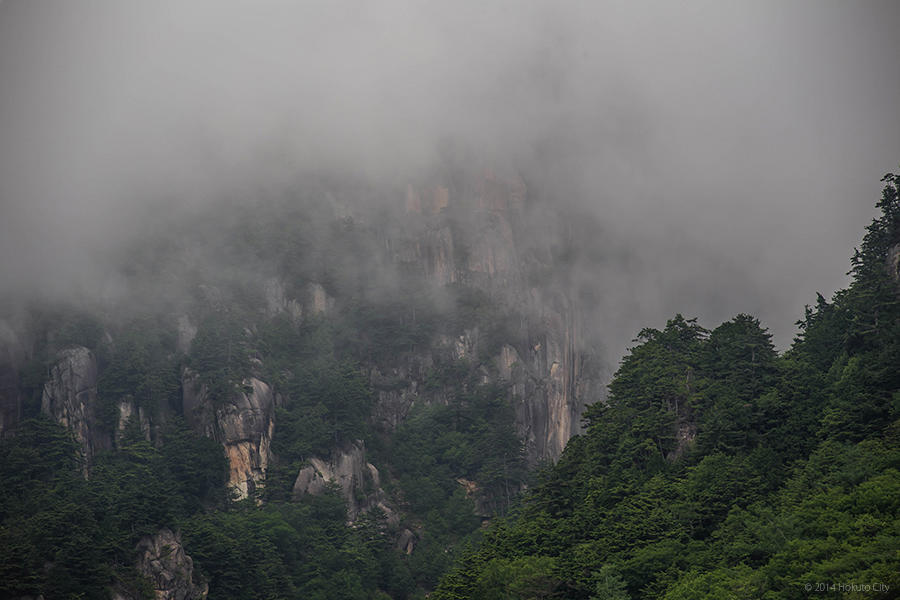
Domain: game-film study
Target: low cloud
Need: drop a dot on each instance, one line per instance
(730, 152)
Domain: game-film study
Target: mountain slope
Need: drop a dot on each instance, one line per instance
(275, 369)
(720, 469)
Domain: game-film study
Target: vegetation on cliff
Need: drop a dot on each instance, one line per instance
(719, 469)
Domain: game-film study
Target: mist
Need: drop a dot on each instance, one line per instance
(729, 153)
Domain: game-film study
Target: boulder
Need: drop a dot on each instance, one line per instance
(169, 570)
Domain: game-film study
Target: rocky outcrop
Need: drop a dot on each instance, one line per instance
(70, 398)
(473, 237)
(168, 569)
(409, 381)
(893, 264)
(685, 434)
(406, 541)
(243, 424)
(358, 481)
(318, 300)
(186, 332)
(128, 412)
(277, 301)
(492, 258)
(551, 413)
(482, 505)
(474, 244)
(399, 387)
(543, 374)
(429, 202)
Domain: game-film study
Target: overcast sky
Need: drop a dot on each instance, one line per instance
(735, 147)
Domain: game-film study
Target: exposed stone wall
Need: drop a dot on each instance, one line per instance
(243, 424)
(358, 480)
(893, 263)
(473, 240)
(161, 559)
(70, 398)
(128, 412)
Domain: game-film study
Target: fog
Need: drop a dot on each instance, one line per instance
(732, 152)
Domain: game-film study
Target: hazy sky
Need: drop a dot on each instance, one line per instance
(733, 148)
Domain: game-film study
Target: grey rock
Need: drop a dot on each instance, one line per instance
(186, 332)
(406, 541)
(359, 481)
(318, 301)
(893, 264)
(243, 424)
(475, 236)
(163, 561)
(70, 398)
(277, 301)
(128, 411)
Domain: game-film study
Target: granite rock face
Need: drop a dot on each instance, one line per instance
(893, 264)
(477, 235)
(243, 424)
(161, 559)
(318, 302)
(546, 374)
(358, 480)
(129, 412)
(70, 398)
(186, 332)
(277, 301)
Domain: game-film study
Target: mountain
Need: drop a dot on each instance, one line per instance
(363, 390)
(392, 358)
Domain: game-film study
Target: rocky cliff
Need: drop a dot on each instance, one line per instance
(128, 413)
(472, 235)
(359, 481)
(162, 561)
(479, 236)
(893, 264)
(70, 398)
(243, 424)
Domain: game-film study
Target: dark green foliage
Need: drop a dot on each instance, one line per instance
(297, 550)
(62, 535)
(220, 354)
(40, 453)
(53, 328)
(78, 329)
(472, 438)
(196, 465)
(141, 367)
(327, 400)
(441, 448)
(329, 407)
